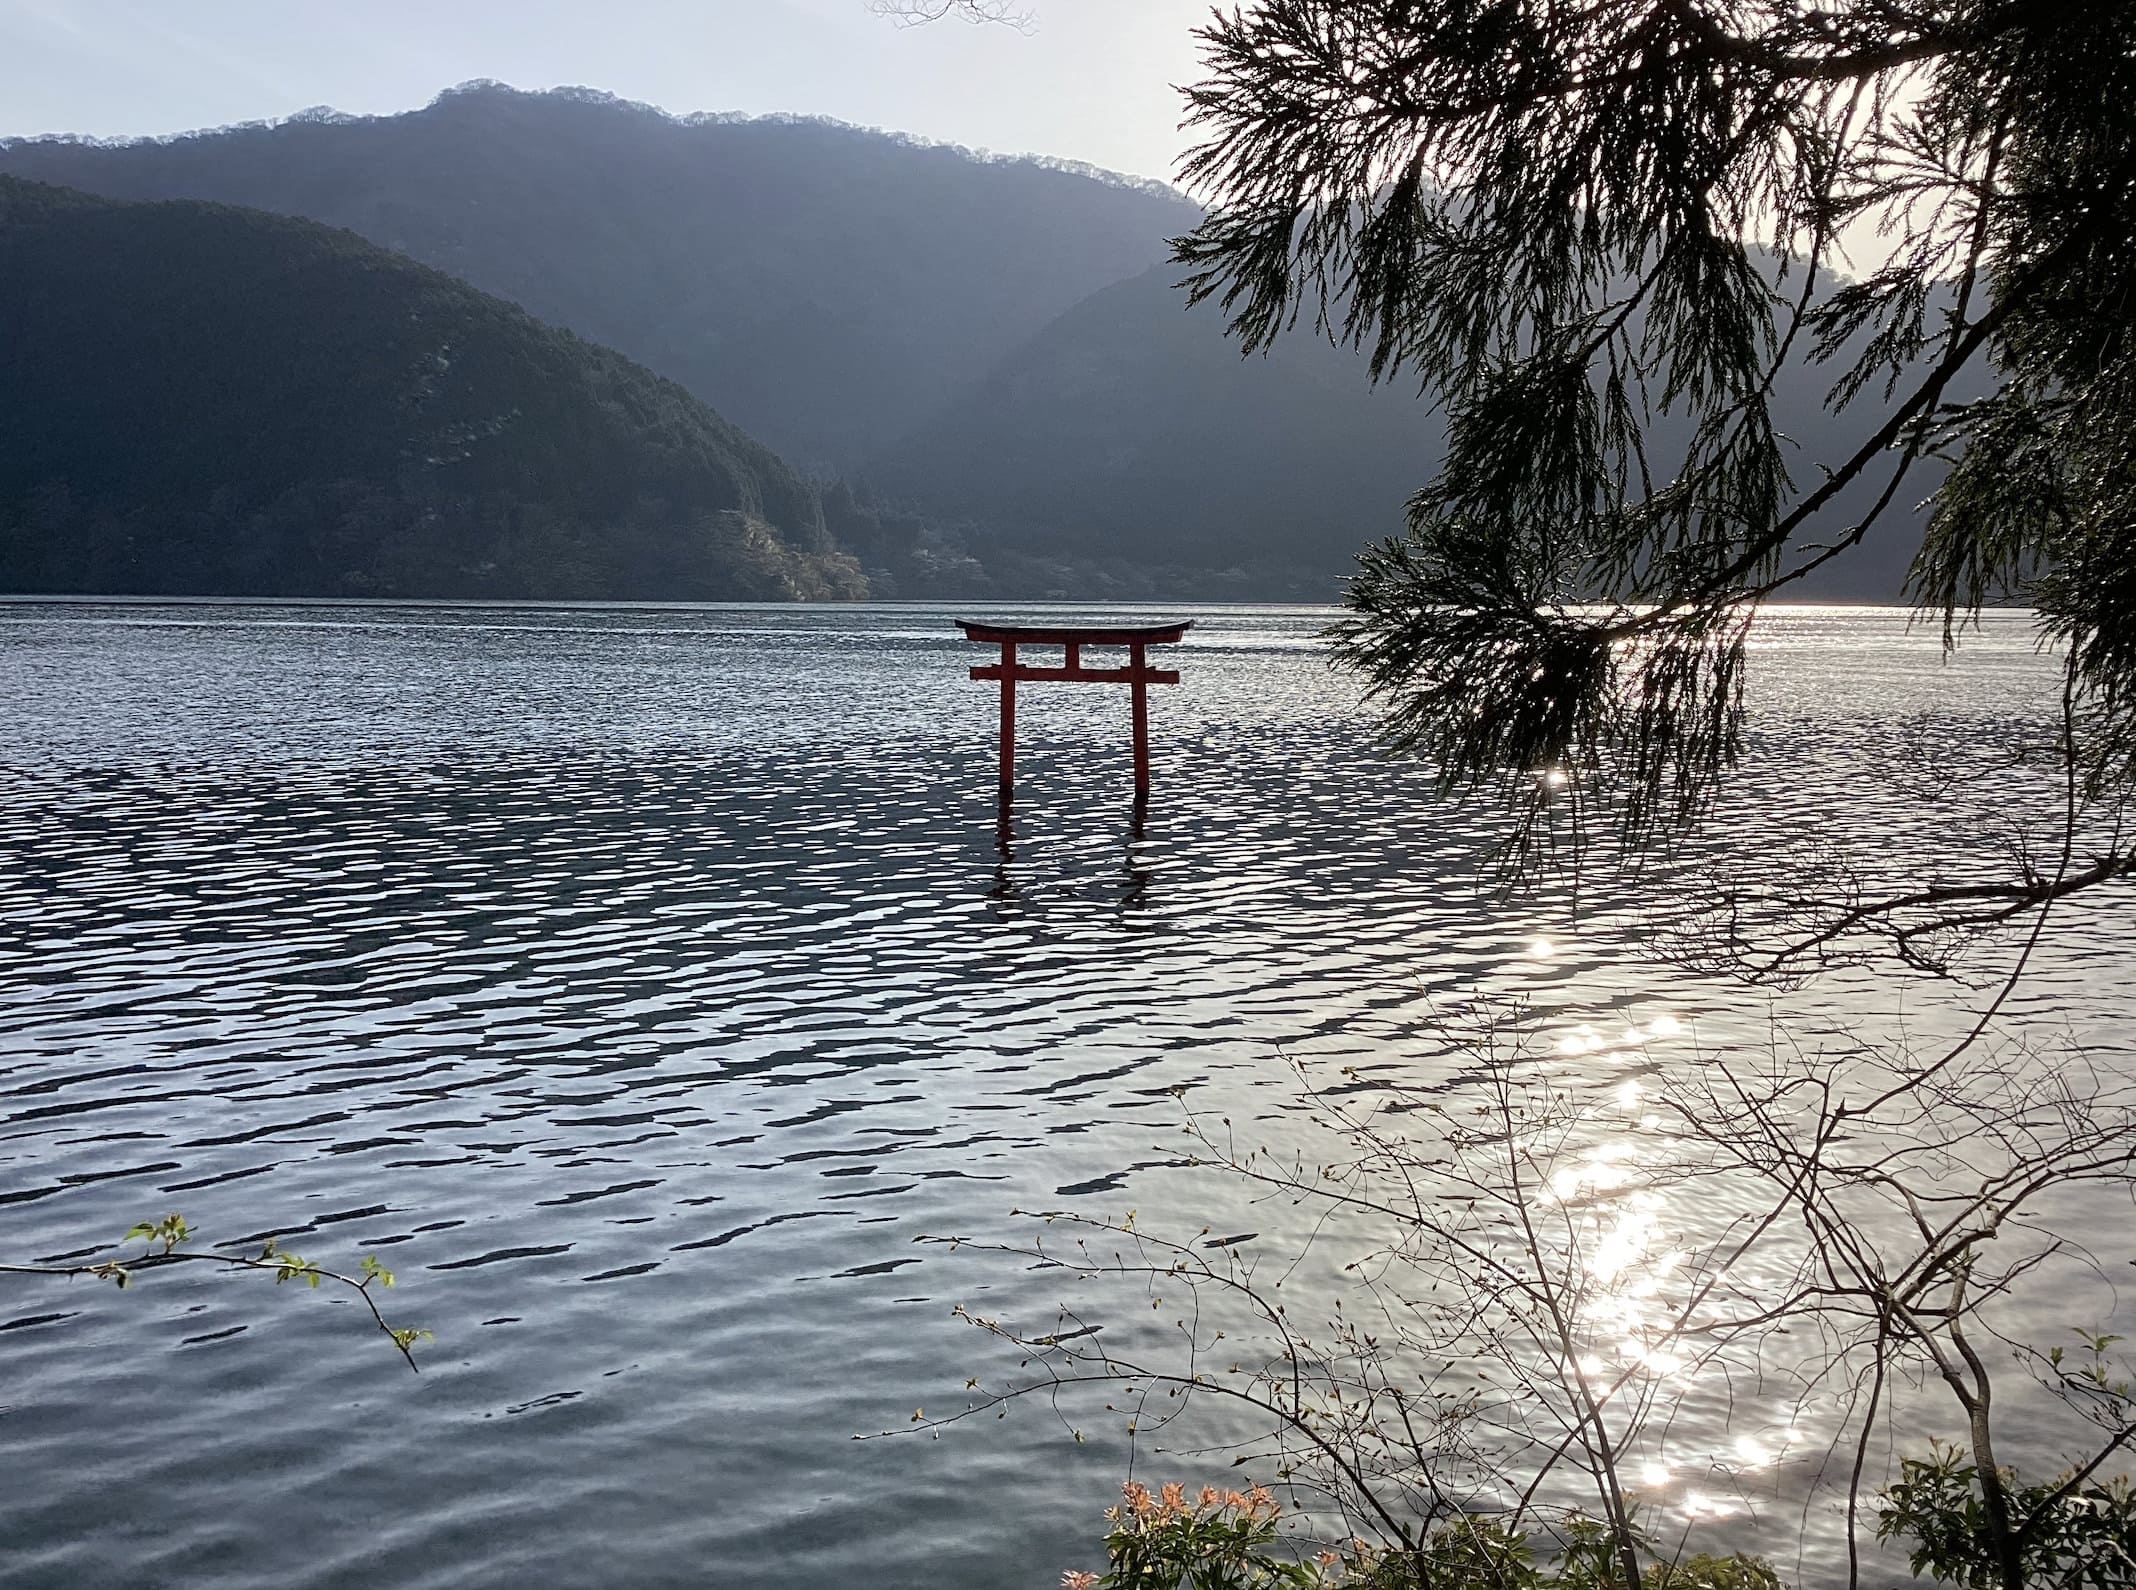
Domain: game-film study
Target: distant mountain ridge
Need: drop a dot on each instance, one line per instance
(991, 351)
(198, 399)
(821, 286)
(1133, 428)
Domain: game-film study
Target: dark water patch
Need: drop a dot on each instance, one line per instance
(501, 1256)
(32, 1321)
(213, 1336)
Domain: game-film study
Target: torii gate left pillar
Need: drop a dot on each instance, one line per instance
(1138, 675)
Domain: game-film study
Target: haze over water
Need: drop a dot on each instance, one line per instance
(638, 982)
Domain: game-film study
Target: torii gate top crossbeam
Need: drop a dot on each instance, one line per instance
(1080, 634)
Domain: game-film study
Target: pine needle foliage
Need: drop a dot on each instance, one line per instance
(1599, 231)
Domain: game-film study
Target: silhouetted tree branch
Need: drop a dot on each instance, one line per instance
(910, 13)
(165, 1240)
(1600, 234)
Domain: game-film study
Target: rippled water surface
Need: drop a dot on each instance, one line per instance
(638, 983)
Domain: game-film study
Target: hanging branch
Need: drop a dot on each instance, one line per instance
(166, 1238)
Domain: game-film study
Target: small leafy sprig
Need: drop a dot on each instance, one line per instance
(2073, 1530)
(1225, 1540)
(166, 1241)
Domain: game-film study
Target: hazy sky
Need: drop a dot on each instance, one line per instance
(1091, 80)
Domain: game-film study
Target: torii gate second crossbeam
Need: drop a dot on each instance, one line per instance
(1138, 675)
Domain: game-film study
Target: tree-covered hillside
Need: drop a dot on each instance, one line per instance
(822, 286)
(994, 347)
(1133, 431)
(199, 399)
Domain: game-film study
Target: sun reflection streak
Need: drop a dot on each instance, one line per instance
(1641, 1285)
(1651, 1303)
(1587, 1039)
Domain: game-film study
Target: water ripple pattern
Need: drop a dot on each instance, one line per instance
(638, 982)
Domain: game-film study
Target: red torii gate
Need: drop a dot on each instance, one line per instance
(1138, 675)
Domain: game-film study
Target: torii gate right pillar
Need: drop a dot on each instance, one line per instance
(1008, 717)
(1139, 692)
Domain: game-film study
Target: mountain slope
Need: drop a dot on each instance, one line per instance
(995, 345)
(204, 399)
(1131, 433)
(1131, 430)
(818, 284)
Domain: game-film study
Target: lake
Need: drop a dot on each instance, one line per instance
(638, 982)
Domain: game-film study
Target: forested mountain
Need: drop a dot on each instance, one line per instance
(1132, 432)
(993, 347)
(199, 399)
(821, 286)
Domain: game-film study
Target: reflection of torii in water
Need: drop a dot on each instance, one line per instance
(1138, 675)
(1135, 867)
